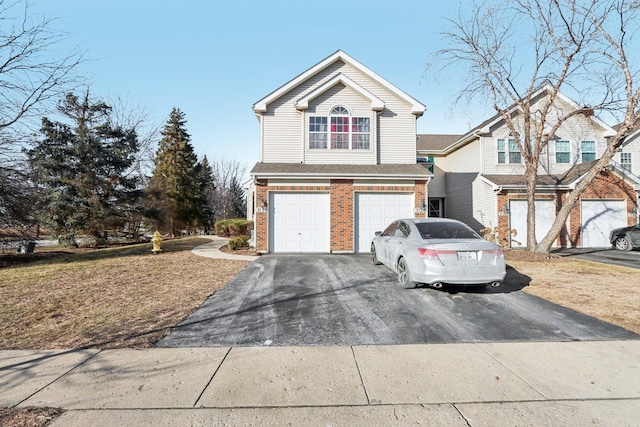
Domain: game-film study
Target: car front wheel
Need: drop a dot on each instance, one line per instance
(404, 276)
(622, 243)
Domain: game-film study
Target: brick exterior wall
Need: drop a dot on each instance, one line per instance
(342, 215)
(604, 186)
(342, 201)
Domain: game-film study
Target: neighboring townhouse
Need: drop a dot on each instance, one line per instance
(478, 179)
(628, 156)
(337, 160)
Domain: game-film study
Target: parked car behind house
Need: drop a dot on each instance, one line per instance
(437, 251)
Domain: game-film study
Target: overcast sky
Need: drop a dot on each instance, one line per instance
(215, 59)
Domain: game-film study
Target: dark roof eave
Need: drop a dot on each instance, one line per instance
(337, 175)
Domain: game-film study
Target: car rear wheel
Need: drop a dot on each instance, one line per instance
(374, 255)
(622, 243)
(404, 276)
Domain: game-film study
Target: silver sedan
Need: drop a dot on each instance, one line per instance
(437, 251)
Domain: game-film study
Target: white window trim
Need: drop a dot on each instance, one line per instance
(507, 159)
(566, 152)
(595, 150)
(351, 133)
(629, 164)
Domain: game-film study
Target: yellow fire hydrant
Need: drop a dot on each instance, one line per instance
(156, 240)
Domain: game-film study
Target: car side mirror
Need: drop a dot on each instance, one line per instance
(378, 233)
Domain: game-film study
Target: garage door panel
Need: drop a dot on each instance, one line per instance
(599, 217)
(545, 215)
(375, 211)
(299, 222)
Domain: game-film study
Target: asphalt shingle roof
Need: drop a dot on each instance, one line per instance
(433, 142)
(560, 180)
(416, 169)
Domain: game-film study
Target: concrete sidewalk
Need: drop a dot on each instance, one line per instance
(542, 384)
(212, 250)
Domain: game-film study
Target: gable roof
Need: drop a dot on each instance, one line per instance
(417, 107)
(566, 180)
(485, 127)
(435, 142)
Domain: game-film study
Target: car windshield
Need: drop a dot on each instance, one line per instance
(445, 230)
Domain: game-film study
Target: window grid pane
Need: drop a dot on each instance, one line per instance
(625, 161)
(563, 155)
(318, 132)
(360, 128)
(588, 149)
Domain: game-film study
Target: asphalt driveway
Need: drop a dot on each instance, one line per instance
(629, 259)
(299, 300)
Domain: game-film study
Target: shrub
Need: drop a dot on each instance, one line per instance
(233, 227)
(238, 242)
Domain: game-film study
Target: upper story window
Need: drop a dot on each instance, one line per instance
(508, 151)
(588, 151)
(625, 161)
(563, 152)
(339, 131)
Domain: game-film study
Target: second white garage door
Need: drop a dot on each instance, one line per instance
(545, 215)
(599, 217)
(299, 222)
(374, 211)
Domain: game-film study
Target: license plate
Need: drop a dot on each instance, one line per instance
(467, 256)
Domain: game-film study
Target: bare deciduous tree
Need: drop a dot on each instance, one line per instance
(513, 50)
(227, 174)
(32, 75)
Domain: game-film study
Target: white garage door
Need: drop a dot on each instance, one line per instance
(545, 215)
(374, 211)
(299, 222)
(599, 217)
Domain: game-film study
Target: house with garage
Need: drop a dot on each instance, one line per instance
(478, 179)
(337, 160)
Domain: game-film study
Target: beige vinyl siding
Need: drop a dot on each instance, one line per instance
(467, 199)
(574, 130)
(465, 159)
(437, 185)
(397, 139)
(284, 138)
(282, 131)
(631, 146)
(281, 136)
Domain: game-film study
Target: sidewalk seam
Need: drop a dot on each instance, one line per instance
(58, 378)
(511, 370)
(211, 379)
(355, 359)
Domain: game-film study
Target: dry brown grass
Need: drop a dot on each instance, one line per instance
(109, 298)
(607, 292)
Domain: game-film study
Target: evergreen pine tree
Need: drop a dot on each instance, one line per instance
(82, 170)
(207, 188)
(237, 200)
(175, 184)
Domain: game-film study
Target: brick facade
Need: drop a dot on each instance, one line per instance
(342, 200)
(605, 186)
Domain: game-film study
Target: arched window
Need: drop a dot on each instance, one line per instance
(342, 130)
(339, 128)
